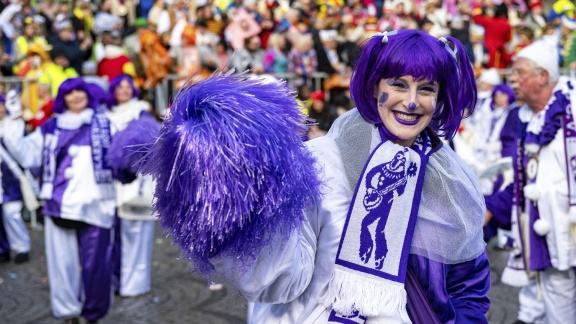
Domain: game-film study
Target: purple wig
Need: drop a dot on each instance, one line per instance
(232, 173)
(111, 98)
(70, 85)
(415, 53)
(504, 88)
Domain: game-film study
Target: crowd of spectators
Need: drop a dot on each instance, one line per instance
(52, 40)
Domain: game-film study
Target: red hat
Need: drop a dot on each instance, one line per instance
(535, 5)
(318, 95)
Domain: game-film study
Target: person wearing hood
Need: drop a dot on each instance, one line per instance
(57, 71)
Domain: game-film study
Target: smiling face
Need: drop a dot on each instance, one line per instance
(406, 106)
(123, 92)
(76, 101)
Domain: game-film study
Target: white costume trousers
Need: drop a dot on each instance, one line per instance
(532, 309)
(16, 231)
(136, 261)
(559, 295)
(63, 270)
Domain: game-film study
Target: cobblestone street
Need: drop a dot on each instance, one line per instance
(177, 296)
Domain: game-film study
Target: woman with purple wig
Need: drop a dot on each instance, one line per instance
(77, 186)
(393, 234)
(134, 230)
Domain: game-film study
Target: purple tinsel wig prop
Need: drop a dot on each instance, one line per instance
(415, 53)
(231, 169)
(130, 145)
(504, 88)
(70, 85)
(111, 97)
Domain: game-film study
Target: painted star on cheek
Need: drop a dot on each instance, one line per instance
(383, 98)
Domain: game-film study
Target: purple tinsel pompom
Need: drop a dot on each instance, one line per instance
(129, 146)
(231, 169)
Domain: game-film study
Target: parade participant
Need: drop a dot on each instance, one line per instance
(14, 231)
(540, 204)
(372, 247)
(134, 231)
(78, 189)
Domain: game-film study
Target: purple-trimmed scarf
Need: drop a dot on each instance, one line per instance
(372, 257)
(100, 137)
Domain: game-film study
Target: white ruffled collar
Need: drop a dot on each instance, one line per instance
(123, 114)
(69, 120)
(536, 120)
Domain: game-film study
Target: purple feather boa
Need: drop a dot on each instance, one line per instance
(130, 146)
(231, 169)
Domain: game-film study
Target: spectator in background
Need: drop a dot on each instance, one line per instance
(535, 18)
(329, 46)
(205, 40)
(187, 58)
(250, 57)
(24, 41)
(90, 75)
(498, 33)
(46, 107)
(155, 13)
(568, 42)
(276, 59)
(38, 61)
(76, 53)
(57, 71)
(82, 19)
(302, 59)
(223, 56)
(323, 114)
(268, 24)
(389, 20)
(132, 41)
(480, 55)
(525, 37)
(115, 61)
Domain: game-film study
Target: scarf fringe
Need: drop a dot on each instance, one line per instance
(349, 292)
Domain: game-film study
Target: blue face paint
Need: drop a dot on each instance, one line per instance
(412, 106)
(383, 98)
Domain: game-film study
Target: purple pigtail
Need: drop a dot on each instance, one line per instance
(231, 170)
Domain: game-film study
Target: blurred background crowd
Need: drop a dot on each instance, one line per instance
(312, 44)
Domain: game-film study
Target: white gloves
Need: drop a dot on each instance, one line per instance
(12, 104)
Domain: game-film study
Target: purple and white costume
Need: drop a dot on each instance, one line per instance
(15, 235)
(540, 207)
(80, 204)
(135, 228)
(288, 280)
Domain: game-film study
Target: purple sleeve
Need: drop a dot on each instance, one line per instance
(457, 293)
(508, 133)
(500, 205)
(467, 285)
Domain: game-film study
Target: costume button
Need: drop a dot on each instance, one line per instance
(73, 150)
(68, 173)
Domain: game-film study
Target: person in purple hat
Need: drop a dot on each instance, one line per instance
(13, 233)
(77, 186)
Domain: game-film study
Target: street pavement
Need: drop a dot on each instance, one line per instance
(177, 296)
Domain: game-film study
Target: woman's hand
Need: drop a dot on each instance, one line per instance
(487, 217)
